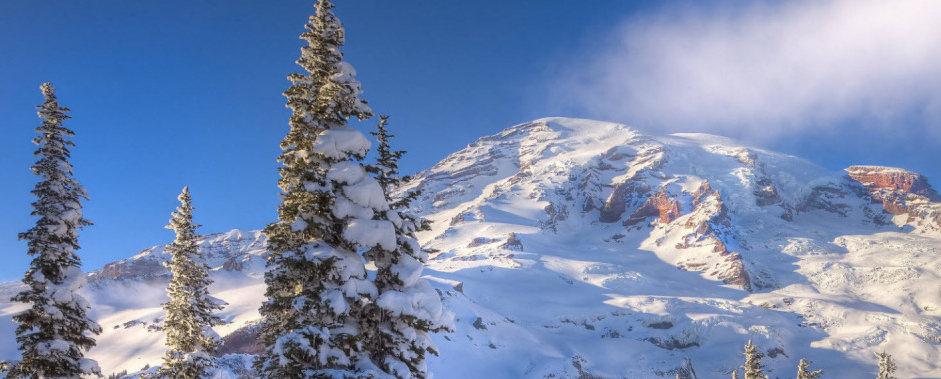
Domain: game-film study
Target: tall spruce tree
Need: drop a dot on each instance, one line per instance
(886, 366)
(752, 367)
(803, 370)
(397, 324)
(190, 338)
(54, 332)
(316, 281)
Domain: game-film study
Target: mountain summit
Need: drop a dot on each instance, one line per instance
(574, 248)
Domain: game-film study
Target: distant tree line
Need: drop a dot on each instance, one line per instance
(753, 369)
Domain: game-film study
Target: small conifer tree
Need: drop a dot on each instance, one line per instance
(387, 163)
(886, 366)
(190, 338)
(397, 325)
(752, 367)
(734, 374)
(54, 332)
(316, 281)
(803, 370)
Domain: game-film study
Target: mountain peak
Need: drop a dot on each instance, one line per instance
(560, 242)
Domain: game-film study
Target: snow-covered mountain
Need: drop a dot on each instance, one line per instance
(583, 249)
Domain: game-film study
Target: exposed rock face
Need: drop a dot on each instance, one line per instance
(479, 241)
(633, 191)
(556, 215)
(710, 223)
(888, 178)
(512, 243)
(231, 251)
(829, 197)
(901, 192)
(240, 261)
(245, 340)
(625, 193)
(765, 193)
(660, 205)
(145, 267)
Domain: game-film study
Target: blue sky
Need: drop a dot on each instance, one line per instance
(175, 93)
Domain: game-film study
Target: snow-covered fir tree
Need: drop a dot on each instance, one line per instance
(886, 366)
(397, 324)
(190, 338)
(316, 281)
(803, 370)
(752, 367)
(734, 374)
(387, 161)
(55, 331)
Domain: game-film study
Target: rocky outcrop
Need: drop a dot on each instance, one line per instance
(244, 340)
(512, 243)
(631, 193)
(900, 192)
(660, 205)
(141, 267)
(555, 214)
(625, 193)
(239, 262)
(710, 224)
(889, 178)
(230, 251)
(479, 241)
(829, 197)
(765, 193)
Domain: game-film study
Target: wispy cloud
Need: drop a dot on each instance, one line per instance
(759, 70)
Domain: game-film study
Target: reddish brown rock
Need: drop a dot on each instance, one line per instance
(874, 178)
(659, 204)
(901, 192)
(710, 231)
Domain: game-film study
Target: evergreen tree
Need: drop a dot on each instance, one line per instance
(803, 370)
(387, 163)
(886, 366)
(752, 367)
(316, 281)
(54, 332)
(734, 374)
(190, 317)
(397, 324)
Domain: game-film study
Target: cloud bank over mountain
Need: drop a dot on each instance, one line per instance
(763, 70)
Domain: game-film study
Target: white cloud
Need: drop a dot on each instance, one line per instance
(761, 70)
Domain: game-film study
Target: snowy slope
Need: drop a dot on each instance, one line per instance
(126, 298)
(583, 249)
